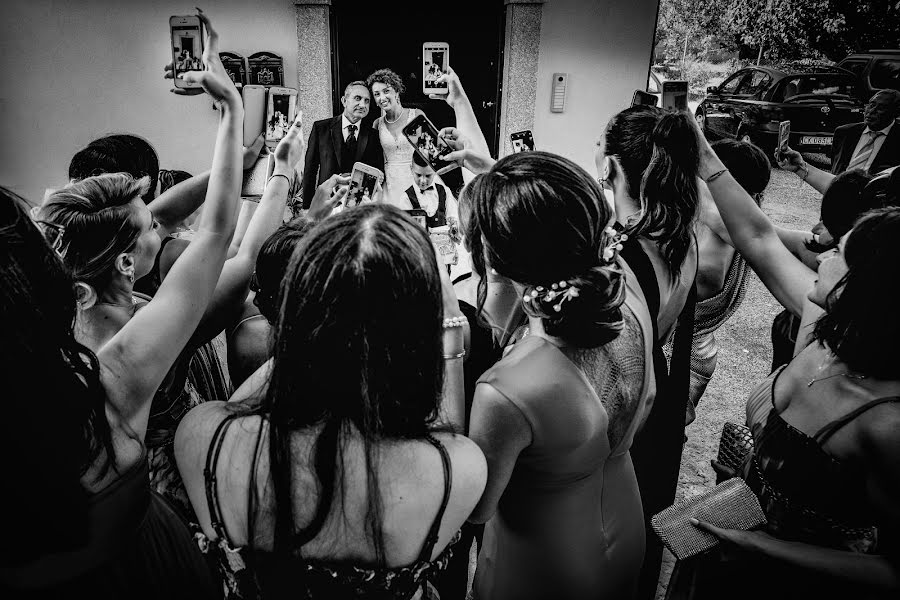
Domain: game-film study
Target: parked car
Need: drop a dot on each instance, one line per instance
(750, 104)
(875, 70)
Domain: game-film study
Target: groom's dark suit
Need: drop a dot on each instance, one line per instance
(326, 153)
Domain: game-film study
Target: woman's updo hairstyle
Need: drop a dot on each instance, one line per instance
(100, 223)
(861, 322)
(543, 223)
(388, 78)
(659, 152)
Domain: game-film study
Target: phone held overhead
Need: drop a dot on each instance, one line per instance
(784, 134)
(280, 111)
(522, 141)
(363, 181)
(187, 48)
(435, 62)
(642, 98)
(423, 135)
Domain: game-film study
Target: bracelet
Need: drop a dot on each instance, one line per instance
(452, 356)
(288, 179)
(715, 176)
(455, 322)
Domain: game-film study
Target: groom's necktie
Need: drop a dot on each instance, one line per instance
(349, 148)
(859, 161)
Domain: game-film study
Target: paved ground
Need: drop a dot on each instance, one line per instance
(745, 349)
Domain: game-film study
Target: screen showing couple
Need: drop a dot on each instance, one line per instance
(279, 122)
(362, 188)
(187, 52)
(435, 66)
(429, 145)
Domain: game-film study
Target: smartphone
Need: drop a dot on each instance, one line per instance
(784, 132)
(522, 141)
(363, 181)
(254, 111)
(642, 98)
(419, 216)
(675, 95)
(423, 135)
(280, 109)
(435, 61)
(254, 180)
(187, 48)
(443, 245)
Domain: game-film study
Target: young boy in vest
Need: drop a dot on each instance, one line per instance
(434, 198)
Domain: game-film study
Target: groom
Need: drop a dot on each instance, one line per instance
(336, 143)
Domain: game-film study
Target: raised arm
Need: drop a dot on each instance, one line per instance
(466, 122)
(142, 352)
(753, 235)
(817, 178)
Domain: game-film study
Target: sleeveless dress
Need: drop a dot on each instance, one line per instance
(569, 524)
(138, 548)
(808, 496)
(398, 153)
(709, 315)
(243, 569)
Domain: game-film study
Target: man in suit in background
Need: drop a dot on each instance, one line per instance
(874, 144)
(336, 143)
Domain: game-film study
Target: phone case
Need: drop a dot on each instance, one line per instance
(435, 61)
(419, 216)
(254, 182)
(423, 135)
(522, 141)
(444, 246)
(186, 59)
(280, 99)
(254, 112)
(363, 181)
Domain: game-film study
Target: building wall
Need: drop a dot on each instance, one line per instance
(604, 46)
(76, 70)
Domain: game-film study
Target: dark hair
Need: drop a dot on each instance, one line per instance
(169, 178)
(53, 398)
(388, 78)
(543, 220)
(659, 153)
(747, 163)
(358, 346)
(883, 190)
(118, 153)
(352, 83)
(419, 161)
(842, 204)
(99, 222)
(272, 263)
(861, 322)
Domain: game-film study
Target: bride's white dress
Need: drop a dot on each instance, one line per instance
(398, 154)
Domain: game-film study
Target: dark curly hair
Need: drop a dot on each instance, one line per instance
(386, 77)
(861, 322)
(272, 262)
(543, 220)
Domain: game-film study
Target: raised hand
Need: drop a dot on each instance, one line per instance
(455, 93)
(291, 147)
(214, 80)
(328, 195)
(462, 153)
(791, 160)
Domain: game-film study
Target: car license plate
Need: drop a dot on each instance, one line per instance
(810, 140)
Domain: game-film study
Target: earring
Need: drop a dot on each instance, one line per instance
(131, 276)
(493, 271)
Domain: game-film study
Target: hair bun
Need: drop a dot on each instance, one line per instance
(584, 310)
(676, 133)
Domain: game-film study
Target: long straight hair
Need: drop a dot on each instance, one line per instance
(357, 347)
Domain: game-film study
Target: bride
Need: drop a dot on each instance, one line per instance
(386, 89)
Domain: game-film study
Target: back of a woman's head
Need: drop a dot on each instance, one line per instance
(659, 152)
(747, 163)
(53, 396)
(861, 324)
(842, 202)
(543, 220)
(100, 223)
(358, 335)
(272, 263)
(118, 153)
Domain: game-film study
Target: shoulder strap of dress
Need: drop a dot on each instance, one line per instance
(432, 538)
(830, 429)
(210, 480)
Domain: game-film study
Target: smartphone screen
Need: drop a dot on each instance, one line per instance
(641, 98)
(784, 133)
(187, 45)
(419, 216)
(435, 61)
(279, 116)
(522, 141)
(423, 135)
(675, 95)
(362, 188)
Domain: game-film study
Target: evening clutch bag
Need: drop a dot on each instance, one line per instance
(735, 445)
(730, 505)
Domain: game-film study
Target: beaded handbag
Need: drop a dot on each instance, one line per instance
(730, 505)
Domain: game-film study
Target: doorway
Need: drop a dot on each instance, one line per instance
(366, 37)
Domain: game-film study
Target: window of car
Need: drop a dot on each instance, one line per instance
(652, 85)
(731, 84)
(855, 65)
(885, 73)
(815, 84)
(755, 83)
